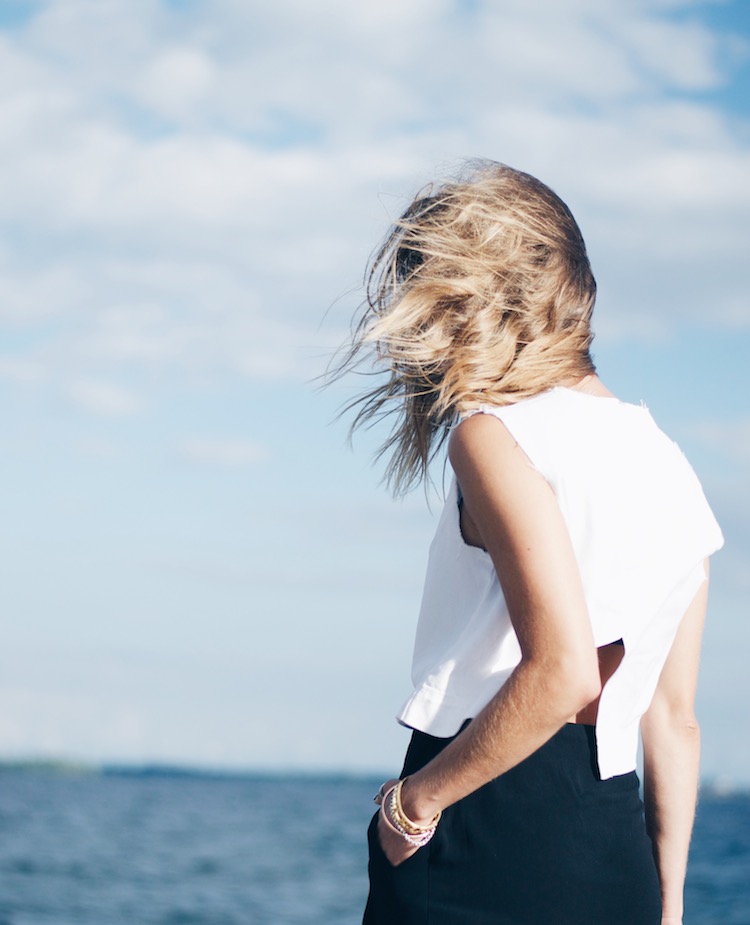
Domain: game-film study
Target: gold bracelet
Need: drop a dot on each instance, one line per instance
(387, 810)
(400, 816)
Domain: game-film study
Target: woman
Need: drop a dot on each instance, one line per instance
(565, 591)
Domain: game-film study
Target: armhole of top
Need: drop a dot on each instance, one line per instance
(498, 412)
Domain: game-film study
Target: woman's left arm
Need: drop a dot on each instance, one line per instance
(671, 755)
(522, 527)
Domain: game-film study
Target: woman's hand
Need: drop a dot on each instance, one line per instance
(395, 847)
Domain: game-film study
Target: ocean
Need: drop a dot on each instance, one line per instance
(155, 847)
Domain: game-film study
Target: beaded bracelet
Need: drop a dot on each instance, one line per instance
(396, 818)
(411, 827)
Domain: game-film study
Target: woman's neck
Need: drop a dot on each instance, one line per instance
(590, 384)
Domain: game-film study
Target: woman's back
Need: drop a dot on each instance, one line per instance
(640, 528)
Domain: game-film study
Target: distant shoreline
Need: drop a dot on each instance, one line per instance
(710, 788)
(156, 770)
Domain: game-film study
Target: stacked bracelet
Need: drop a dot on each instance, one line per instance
(393, 812)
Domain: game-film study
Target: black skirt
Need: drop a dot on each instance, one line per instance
(546, 843)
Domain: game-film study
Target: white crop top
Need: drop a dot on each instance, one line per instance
(640, 527)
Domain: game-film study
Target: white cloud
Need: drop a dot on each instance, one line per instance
(691, 62)
(20, 370)
(194, 189)
(30, 293)
(176, 81)
(223, 452)
(104, 398)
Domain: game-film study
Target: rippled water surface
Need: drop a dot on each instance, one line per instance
(173, 850)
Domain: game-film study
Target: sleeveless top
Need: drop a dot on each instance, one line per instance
(640, 528)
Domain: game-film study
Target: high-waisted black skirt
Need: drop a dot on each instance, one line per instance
(546, 843)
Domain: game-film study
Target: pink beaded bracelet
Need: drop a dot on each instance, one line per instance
(399, 822)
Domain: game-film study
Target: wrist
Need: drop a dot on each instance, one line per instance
(394, 816)
(419, 806)
(671, 913)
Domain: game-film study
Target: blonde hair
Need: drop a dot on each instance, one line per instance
(481, 293)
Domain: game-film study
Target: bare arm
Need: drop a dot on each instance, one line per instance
(671, 747)
(522, 528)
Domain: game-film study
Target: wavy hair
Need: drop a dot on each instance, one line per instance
(481, 293)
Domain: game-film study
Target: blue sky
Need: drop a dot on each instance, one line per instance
(195, 567)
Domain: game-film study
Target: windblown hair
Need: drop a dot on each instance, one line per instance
(481, 293)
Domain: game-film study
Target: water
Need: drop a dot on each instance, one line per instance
(187, 850)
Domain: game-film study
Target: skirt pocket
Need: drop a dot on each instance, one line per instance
(398, 895)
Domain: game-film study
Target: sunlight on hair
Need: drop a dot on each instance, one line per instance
(481, 293)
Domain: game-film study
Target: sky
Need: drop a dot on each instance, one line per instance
(195, 567)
